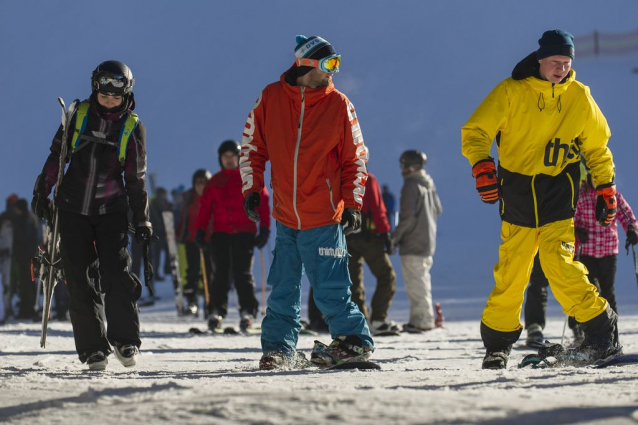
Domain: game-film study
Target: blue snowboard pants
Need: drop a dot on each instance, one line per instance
(320, 252)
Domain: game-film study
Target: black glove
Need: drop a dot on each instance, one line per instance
(581, 234)
(42, 207)
(387, 241)
(632, 238)
(200, 238)
(252, 201)
(143, 234)
(351, 220)
(262, 238)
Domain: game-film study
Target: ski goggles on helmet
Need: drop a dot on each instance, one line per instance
(329, 64)
(112, 83)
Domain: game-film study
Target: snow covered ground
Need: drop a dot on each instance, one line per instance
(181, 378)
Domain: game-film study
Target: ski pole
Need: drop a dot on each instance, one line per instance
(263, 282)
(633, 250)
(202, 262)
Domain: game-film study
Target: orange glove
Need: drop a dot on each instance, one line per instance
(484, 172)
(606, 205)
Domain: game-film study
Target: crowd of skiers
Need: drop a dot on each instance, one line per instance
(331, 215)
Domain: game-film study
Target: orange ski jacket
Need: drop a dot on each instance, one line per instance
(314, 143)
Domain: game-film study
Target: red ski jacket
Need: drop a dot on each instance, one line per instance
(313, 141)
(223, 202)
(374, 208)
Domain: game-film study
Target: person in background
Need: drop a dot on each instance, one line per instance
(415, 236)
(185, 234)
(233, 240)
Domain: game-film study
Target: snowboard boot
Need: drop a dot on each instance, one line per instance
(381, 328)
(496, 359)
(246, 320)
(579, 335)
(342, 349)
(127, 354)
(215, 321)
(97, 361)
(278, 360)
(534, 335)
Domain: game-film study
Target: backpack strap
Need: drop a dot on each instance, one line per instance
(81, 117)
(125, 135)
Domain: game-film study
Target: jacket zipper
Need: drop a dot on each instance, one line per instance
(299, 128)
(330, 190)
(535, 200)
(571, 184)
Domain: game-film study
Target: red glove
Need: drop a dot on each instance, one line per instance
(606, 205)
(484, 172)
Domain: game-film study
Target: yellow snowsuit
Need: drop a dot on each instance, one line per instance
(541, 130)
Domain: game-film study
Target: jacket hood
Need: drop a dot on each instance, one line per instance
(529, 67)
(288, 81)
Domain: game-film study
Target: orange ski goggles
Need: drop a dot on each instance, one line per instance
(328, 64)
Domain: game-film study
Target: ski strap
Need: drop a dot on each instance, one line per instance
(125, 132)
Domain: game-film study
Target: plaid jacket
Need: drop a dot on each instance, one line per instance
(603, 241)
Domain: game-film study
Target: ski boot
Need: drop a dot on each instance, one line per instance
(278, 360)
(534, 336)
(215, 321)
(412, 329)
(97, 361)
(246, 321)
(127, 354)
(496, 359)
(342, 349)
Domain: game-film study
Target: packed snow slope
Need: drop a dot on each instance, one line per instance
(184, 379)
(415, 70)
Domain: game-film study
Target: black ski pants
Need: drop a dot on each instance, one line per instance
(96, 266)
(602, 273)
(232, 252)
(27, 289)
(193, 270)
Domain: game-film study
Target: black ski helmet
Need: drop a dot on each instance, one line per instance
(226, 146)
(201, 174)
(113, 78)
(413, 158)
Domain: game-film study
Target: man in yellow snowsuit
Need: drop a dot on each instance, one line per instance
(543, 120)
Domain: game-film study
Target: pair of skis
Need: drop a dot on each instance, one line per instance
(48, 264)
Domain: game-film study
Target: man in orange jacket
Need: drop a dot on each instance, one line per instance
(310, 133)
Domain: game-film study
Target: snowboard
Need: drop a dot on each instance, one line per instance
(555, 355)
(361, 365)
(623, 360)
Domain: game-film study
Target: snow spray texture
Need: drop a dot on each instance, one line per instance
(125, 133)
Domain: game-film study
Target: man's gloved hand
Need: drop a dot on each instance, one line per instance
(387, 241)
(351, 220)
(42, 207)
(486, 182)
(262, 238)
(606, 205)
(252, 201)
(200, 238)
(581, 234)
(632, 238)
(143, 234)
